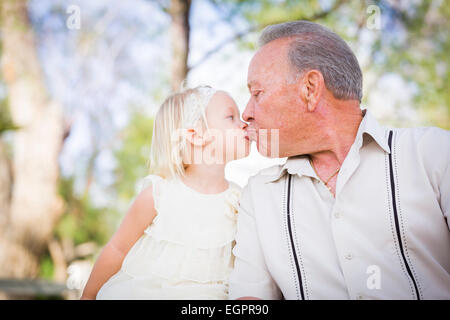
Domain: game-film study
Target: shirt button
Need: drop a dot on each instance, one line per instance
(359, 297)
(349, 256)
(337, 215)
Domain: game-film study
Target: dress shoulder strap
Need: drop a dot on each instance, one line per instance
(155, 181)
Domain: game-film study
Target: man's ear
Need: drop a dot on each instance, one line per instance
(194, 137)
(312, 87)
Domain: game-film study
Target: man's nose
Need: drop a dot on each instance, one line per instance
(247, 115)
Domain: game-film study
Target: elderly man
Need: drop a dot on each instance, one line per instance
(358, 211)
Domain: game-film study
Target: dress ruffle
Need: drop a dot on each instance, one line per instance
(150, 287)
(232, 200)
(173, 261)
(186, 252)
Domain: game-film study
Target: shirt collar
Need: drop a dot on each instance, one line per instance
(371, 126)
(300, 164)
(293, 165)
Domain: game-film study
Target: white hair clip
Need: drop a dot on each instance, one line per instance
(196, 104)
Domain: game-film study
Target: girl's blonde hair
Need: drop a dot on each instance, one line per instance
(180, 110)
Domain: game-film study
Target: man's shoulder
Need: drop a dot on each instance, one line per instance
(420, 133)
(426, 140)
(260, 185)
(270, 171)
(427, 147)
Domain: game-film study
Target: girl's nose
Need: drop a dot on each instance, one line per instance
(244, 125)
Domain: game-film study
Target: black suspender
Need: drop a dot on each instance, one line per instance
(291, 239)
(397, 225)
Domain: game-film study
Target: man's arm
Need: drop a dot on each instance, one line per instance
(435, 149)
(250, 279)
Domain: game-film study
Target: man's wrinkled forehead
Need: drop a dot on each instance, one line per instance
(270, 58)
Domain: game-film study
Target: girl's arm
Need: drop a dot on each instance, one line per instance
(137, 219)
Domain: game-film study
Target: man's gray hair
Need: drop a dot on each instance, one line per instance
(316, 47)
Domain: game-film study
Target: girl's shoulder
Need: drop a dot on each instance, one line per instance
(150, 180)
(157, 183)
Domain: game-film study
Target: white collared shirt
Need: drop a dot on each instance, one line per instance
(385, 235)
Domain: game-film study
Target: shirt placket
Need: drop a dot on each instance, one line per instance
(345, 252)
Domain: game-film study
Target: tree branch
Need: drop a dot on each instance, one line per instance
(254, 28)
(163, 7)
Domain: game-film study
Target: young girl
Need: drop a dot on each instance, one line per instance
(176, 239)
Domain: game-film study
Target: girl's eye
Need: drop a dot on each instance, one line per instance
(231, 117)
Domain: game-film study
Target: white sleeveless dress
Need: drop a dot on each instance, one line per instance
(186, 252)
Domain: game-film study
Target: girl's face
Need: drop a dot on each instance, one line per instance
(229, 137)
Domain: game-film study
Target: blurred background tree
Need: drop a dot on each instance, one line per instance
(77, 105)
(32, 193)
(417, 48)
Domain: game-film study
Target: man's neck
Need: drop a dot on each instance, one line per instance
(338, 133)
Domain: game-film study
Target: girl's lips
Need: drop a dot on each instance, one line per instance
(251, 135)
(247, 135)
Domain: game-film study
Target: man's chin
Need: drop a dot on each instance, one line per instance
(263, 150)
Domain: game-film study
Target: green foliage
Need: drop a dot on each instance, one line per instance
(6, 122)
(421, 57)
(81, 221)
(133, 154)
(261, 13)
(46, 267)
(268, 12)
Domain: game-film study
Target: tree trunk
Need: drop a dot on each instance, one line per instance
(35, 205)
(5, 185)
(179, 12)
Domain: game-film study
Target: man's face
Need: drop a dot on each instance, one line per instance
(274, 102)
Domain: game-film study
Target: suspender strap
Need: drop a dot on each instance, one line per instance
(397, 225)
(288, 217)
